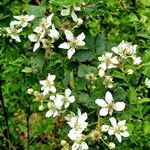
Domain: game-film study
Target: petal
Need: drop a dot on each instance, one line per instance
(108, 97)
(49, 113)
(53, 89)
(74, 16)
(36, 46)
(33, 37)
(103, 112)
(118, 136)
(71, 99)
(82, 117)
(122, 123)
(113, 121)
(30, 18)
(71, 51)
(111, 131)
(101, 73)
(84, 146)
(103, 66)
(67, 92)
(105, 128)
(75, 146)
(81, 37)
(51, 77)
(119, 106)
(69, 35)
(125, 134)
(64, 45)
(101, 102)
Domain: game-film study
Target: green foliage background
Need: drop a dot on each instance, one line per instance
(109, 22)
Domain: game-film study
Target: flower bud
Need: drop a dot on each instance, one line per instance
(30, 91)
(111, 145)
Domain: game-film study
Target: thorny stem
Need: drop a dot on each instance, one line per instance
(5, 115)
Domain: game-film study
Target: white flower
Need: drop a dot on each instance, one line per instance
(73, 42)
(79, 143)
(37, 38)
(48, 84)
(136, 60)
(68, 11)
(118, 129)
(44, 24)
(111, 145)
(77, 123)
(54, 34)
(108, 105)
(13, 32)
(108, 81)
(67, 98)
(53, 110)
(23, 20)
(147, 82)
(125, 49)
(107, 61)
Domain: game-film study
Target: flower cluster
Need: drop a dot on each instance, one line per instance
(78, 124)
(45, 33)
(16, 26)
(71, 11)
(115, 59)
(108, 105)
(58, 103)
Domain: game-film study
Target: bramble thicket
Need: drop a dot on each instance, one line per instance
(75, 74)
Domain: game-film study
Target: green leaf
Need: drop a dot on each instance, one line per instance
(83, 70)
(100, 44)
(86, 100)
(120, 94)
(84, 56)
(132, 95)
(37, 11)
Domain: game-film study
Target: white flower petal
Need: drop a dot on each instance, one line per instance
(53, 89)
(67, 92)
(36, 46)
(125, 134)
(49, 113)
(33, 37)
(119, 106)
(84, 146)
(101, 102)
(103, 112)
(81, 37)
(113, 121)
(108, 97)
(111, 131)
(71, 99)
(69, 35)
(105, 128)
(122, 122)
(64, 45)
(118, 136)
(71, 51)
(74, 16)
